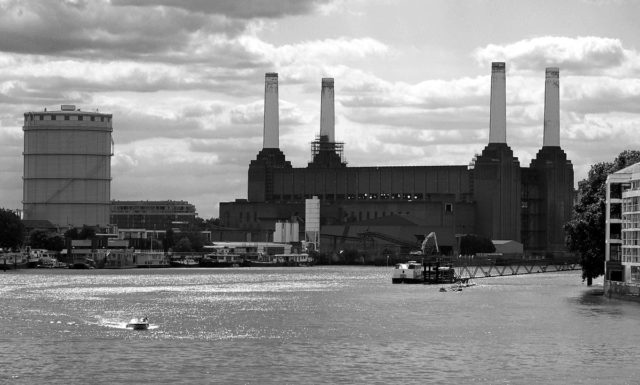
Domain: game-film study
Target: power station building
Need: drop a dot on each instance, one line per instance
(67, 167)
(385, 209)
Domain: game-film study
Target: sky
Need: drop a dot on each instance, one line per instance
(184, 81)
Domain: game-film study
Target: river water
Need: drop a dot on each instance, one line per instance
(320, 325)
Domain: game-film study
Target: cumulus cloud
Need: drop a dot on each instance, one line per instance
(99, 29)
(602, 94)
(179, 30)
(316, 51)
(240, 9)
(200, 171)
(597, 75)
(185, 88)
(599, 97)
(577, 55)
(430, 94)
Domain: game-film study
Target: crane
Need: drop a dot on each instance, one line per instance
(430, 244)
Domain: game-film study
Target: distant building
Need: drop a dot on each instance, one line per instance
(622, 252)
(152, 215)
(67, 167)
(493, 197)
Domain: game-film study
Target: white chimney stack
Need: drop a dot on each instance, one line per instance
(498, 105)
(327, 110)
(552, 108)
(271, 111)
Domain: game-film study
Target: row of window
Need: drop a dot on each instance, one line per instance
(631, 258)
(68, 117)
(247, 216)
(360, 197)
(630, 224)
(629, 254)
(139, 209)
(631, 205)
(630, 242)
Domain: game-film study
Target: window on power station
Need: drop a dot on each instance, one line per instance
(448, 207)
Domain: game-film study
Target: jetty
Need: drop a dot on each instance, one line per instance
(524, 267)
(438, 270)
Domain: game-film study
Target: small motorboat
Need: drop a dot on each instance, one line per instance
(139, 323)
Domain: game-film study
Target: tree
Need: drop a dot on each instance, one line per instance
(200, 224)
(213, 223)
(585, 232)
(168, 241)
(195, 239)
(87, 232)
(55, 243)
(72, 233)
(184, 244)
(38, 239)
(11, 230)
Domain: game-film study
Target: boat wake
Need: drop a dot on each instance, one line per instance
(117, 323)
(63, 322)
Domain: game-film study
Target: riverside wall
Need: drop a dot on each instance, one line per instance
(622, 290)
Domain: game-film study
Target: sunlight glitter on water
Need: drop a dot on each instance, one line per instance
(316, 325)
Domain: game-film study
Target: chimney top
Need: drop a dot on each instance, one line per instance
(271, 75)
(327, 81)
(552, 72)
(497, 66)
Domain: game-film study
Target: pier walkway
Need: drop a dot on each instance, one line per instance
(473, 267)
(525, 267)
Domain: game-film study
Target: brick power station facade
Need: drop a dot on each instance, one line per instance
(388, 208)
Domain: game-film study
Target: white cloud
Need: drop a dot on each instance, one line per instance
(242, 9)
(577, 55)
(312, 52)
(186, 88)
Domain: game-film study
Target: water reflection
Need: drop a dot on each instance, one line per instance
(315, 325)
(591, 302)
